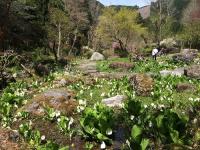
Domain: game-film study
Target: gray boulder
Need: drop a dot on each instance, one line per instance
(171, 50)
(115, 101)
(59, 99)
(183, 87)
(142, 83)
(184, 57)
(193, 71)
(176, 72)
(97, 56)
(189, 51)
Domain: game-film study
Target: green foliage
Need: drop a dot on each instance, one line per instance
(191, 34)
(119, 26)
(165, 19)
(171, 127)
(137, 141)
(88, 146)
(98, 123)
(36, 140)
(167, 126)
(149, 65)
(163, 119)
(12, 97)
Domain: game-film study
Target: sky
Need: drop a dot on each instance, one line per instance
(140, 3)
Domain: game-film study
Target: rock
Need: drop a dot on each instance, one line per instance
(97, 56)
(177, 72)
(63, 61)
(59, 99)
(11, 140)
(115, 101)
(5, 79)
(193, 71)
(62, 82)
(143, 84)
(171, 50)
(14, 136)
(121, 65)
(111, 75)
(41, 70)
(182, 87)
(187, 51)
(186, 58)
(87, 67)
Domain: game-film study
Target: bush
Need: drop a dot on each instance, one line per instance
(168, 43)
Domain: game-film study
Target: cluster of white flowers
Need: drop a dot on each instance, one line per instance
(161, 106)
(103, 94)
(154, 106)
(81, 106)
(194, 99)
(99, 85)
(20, 92)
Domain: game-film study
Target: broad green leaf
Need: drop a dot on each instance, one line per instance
(159, 120)
(174, 136)
(136, 132)
(144, 144)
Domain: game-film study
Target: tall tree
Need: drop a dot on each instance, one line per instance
(119, 26)
(58, 24)
(165, 20)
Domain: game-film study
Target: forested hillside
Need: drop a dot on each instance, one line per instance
(32, 24)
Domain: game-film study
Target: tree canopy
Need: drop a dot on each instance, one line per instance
(119, 26)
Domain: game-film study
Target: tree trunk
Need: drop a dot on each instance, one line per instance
(121, 45)
(160, 22)
(73, 44)
(59, 40)
(54, 51)
(4, 24)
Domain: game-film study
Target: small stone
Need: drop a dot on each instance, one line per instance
(62, 82)
(115, 101)
(177, 72)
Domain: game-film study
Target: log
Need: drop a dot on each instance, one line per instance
(27, 70)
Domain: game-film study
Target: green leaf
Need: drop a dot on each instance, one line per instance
(197, 136)
(136, 132)
(159, 120)
(144, 144)
(102, 137)
(174, 136)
